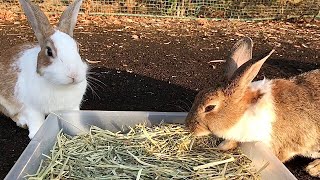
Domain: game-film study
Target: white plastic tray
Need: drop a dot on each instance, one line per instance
(76, 122)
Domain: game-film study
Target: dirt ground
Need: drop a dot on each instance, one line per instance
(160, 64)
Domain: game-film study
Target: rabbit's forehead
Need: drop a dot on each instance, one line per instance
(63, 43)
(211, 95)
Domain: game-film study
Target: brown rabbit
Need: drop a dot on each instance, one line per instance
(283, 114)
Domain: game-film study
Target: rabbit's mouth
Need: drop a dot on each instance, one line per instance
(75, 81)
(201, 131)
(198, 129)
(63, 81)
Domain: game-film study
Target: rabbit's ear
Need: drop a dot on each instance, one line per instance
(245, 74)
(37, 20)
(68, 19)
(241, 52)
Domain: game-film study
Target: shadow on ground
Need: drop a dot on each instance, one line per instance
(123, 91)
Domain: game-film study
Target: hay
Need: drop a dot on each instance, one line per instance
(166, 151)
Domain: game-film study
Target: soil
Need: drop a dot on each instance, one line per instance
(144, 64)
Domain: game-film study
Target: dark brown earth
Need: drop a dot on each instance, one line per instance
(160, 65)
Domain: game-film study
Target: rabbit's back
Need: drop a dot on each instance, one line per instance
(297, 105)
(9, 68)
(310, 82)
(299, 97)
(9, 76)
(302, 90)
(313, 79)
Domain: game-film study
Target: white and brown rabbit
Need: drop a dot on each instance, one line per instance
(283, 114)
(38, 78)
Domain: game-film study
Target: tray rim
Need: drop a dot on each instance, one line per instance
(34, 144)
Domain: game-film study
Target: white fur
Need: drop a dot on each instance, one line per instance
(40, 95)
(256, 123)
(67, 62)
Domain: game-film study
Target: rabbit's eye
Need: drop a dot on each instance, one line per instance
(209, 108)
(49, 52)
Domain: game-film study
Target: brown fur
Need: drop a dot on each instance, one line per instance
(220, 118)
(233, 98)
(227, 145)
(44, 24)
(43, 60)
(314, 168)
(38, 21)
(228, 97)
(297, 128)
(237, 58)
(252, 97)
(68, 21)
(9, 77)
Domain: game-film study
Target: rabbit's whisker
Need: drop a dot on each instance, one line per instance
(94, 93)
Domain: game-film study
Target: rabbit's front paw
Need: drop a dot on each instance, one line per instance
(227, 145)
(314, 168)
(21, 122)
(31, 134)
(33, 119)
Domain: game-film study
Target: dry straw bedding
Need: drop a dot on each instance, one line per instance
(166, 151)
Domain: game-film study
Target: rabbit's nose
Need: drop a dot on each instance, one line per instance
(72, 79)
(73, 76)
